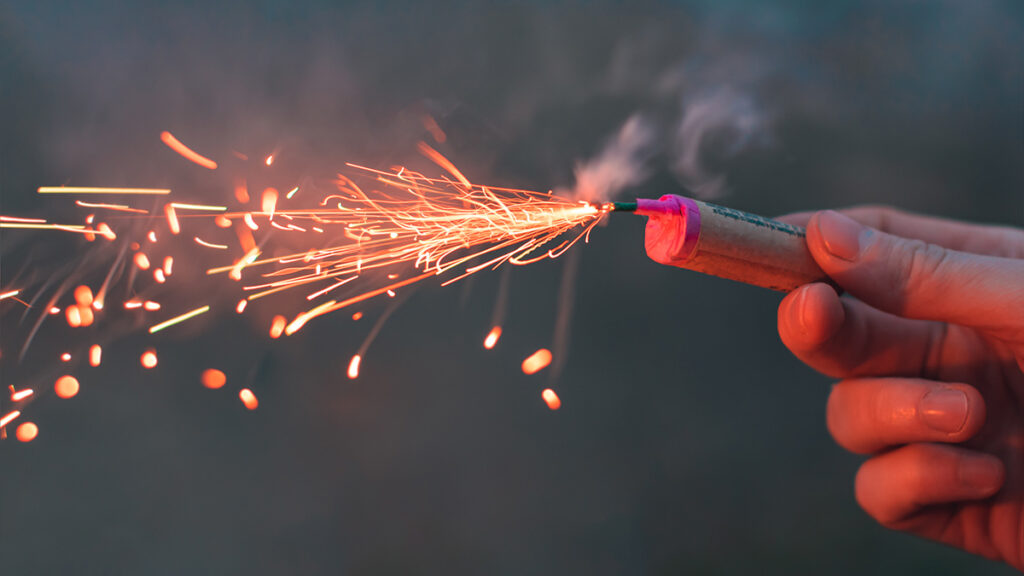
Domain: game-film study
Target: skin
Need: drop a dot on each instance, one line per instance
(928, 341)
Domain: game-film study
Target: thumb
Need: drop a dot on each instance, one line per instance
(918, 280)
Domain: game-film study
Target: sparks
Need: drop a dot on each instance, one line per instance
(26, 432)
(213, 378)
(202, 242)
(353, 367)
(551, 399)
(172, 219)
(10, 294)
(248, 399)
(178, 319)
(492, 337)
(21, 395)
(80, 190)
(537, 361)
(148, 359)
(9, 417)
(189, 154)
(95, 355)
(66, 387)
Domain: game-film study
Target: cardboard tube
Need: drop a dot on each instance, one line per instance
(728, 243)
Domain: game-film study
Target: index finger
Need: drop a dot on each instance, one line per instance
(984, 239)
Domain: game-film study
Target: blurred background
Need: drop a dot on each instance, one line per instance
(689, 440)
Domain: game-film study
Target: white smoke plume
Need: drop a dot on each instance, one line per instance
(623, 162)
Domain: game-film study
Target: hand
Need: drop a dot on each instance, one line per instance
(930, 347)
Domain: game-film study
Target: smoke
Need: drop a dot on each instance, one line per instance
(622, 163)
(719, 124)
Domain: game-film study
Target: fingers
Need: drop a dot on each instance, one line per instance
(999, 241)
(895, 486)
(842, 337)
(917, 280)
(871, 414)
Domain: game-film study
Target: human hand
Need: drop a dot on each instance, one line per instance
(930, 347)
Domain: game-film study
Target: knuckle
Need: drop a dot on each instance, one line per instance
(923, 262)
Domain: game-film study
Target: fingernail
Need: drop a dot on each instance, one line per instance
(984, 473)
(843, 236)
(944, 410)
(799, 305)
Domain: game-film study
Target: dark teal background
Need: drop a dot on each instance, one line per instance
(689, 441)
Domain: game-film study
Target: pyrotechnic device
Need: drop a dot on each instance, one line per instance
(724, 242)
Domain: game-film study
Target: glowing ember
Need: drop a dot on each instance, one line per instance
(357, 316)
(248, 398)
(158, 275)
(66, 386)
(278, 326)
(492, 337)
(270, 160)
(66, 357)
(74, 316)
(213, 378)
(83, 296)
(148, 359)
(9, 417)
(353, 367)
(172, 219)
(178, 319)
(142, 261)
(269, 202)
(537, 361)
(21, 395)
(151, 306)
(241, 305)
(174, 144)
(26, 432)
(95, 355)
(79, 190)
(168, 265)
(551, 399)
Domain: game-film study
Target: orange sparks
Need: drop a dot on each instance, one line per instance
(269, 202)
(148, 359)
(21, 395)
(54, 310)
(172, 219)
(176, 145)
(81, 190)
(222, 221)
(9, 417)
(357, 316)
(26, 432)
(241, 192)
(10, 294)
(66, 387)
(248, 398)
(291, 193)
(241, 305)
(213, 378)
(83, 295)
(151, 306)
(269, 160)
(66, 357)
(249, 258)
(116, 207)
(537, 361)
(86, 314)
(142, 261)
(151, 236)
(435, 131)
(106, 232)
(492, 337)
(168, 265)
(202, 242)
(443, 162)
(250, 222)
(551, 399)
(159, 276)
(132, 304)
(95, 355)
(178, 319)
(353, 367)
(277, 327)
(74, 316)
